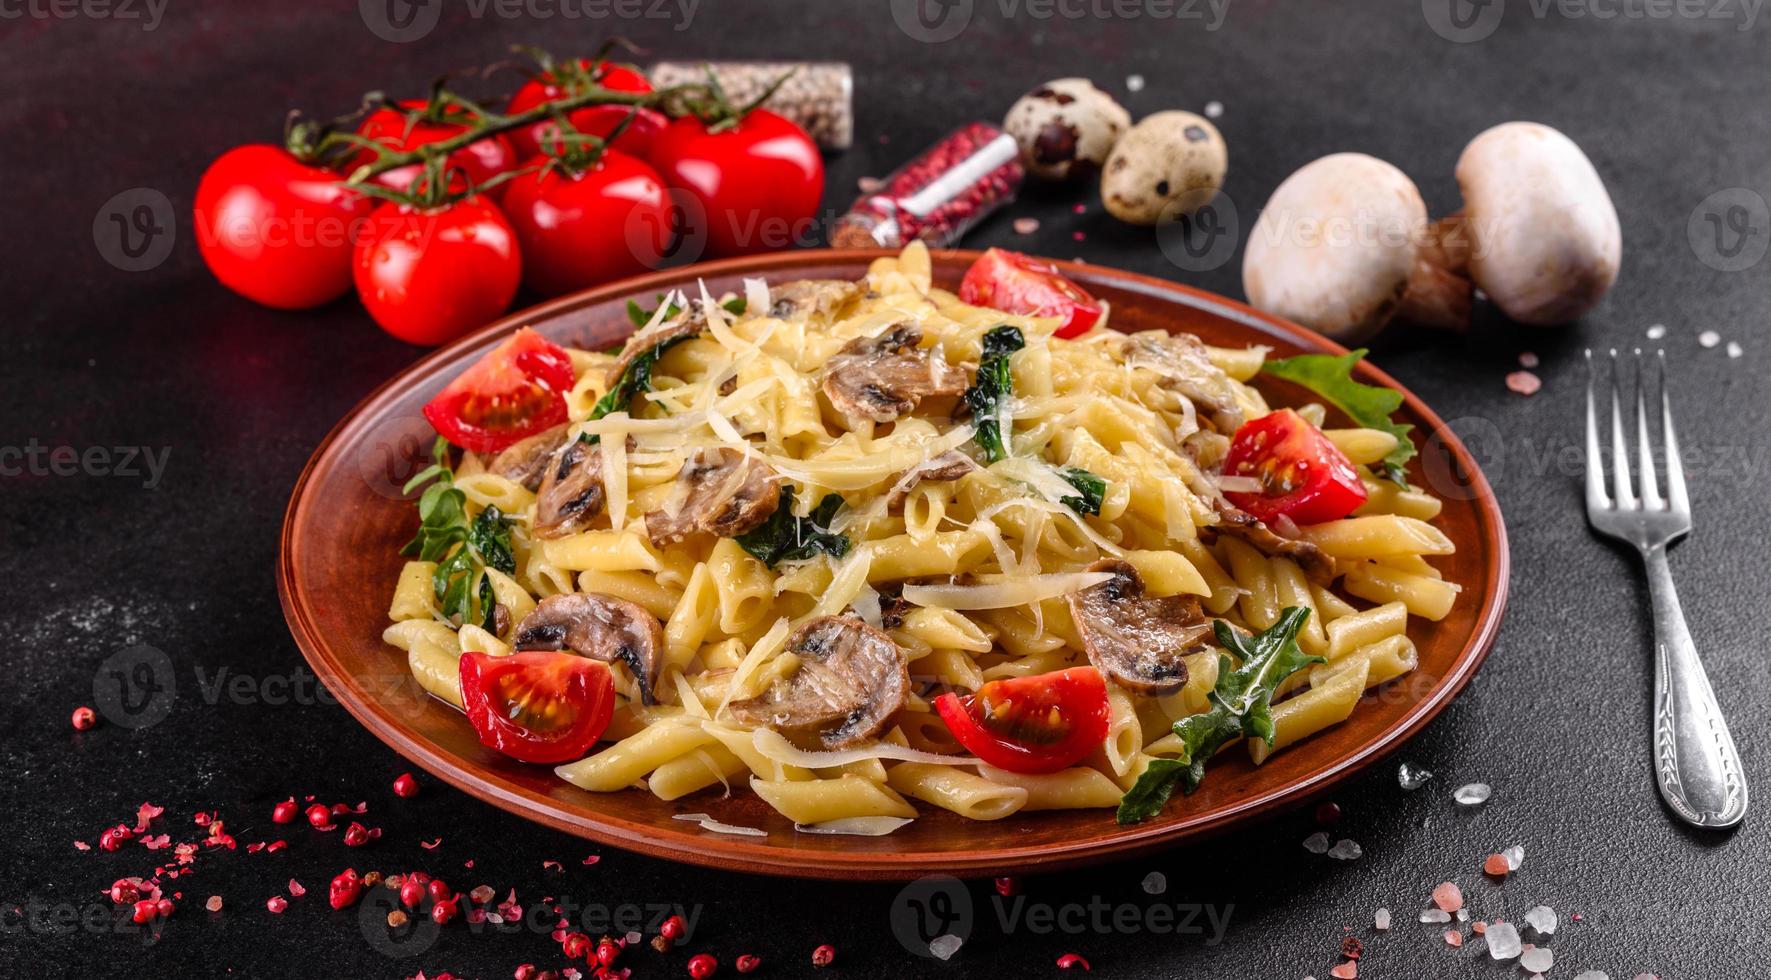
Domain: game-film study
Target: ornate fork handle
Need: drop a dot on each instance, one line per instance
(1694, 757)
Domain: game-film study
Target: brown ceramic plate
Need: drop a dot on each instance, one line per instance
(347, 521)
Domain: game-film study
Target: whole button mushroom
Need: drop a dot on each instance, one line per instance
(1343, 247)
(1065, 127)
(1544, 242)
(1168, 166)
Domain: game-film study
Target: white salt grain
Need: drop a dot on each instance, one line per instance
(1472, 794)
(1155, 883)
(1537, 960)
(1435, 916)
(1503, 941)
(1463, 915)
(1515, 856)
(1134, 83)
(1543, 919)
(1600, 975)
(1214, 109)
(1026, 226)
(1709, 338)
(943, 947)
(1734, 349)
(1528, 359)
(1411, 778)
(1657, 331)
(1381, 919)
(1316, 843)
(1345, 850)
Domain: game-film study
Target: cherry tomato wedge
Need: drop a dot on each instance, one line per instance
(596, 120)
(1036, 724)
(1303, 475)
(1016, 283)
(539, 706)
(517, 390)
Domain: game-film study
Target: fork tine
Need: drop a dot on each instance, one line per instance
(1644, 448)
(1620, 456)
(1596, 498)
(1675, 470)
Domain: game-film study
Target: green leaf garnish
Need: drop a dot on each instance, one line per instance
(787, 537)
(463, 549)
(1241, 708)
(639, 316)
(1367, 405)
(1091, 490)
(994, 385)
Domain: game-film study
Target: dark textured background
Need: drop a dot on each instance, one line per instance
(1672, 111)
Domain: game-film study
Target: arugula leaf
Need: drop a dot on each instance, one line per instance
(1367, 405)
(1091, 490)
(990, 392)
(786, 537)
(1241, 708)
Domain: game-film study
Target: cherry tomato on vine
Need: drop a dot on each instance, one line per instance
(757, 182)
(598, 120)
(1036, 724)
(537, 706)
(1016, 283)
(1303, 475)
(429, 275)
(578, 228)
(516, 390)
(478, 161)
(276, 230)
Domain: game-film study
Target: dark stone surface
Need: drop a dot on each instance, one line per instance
(1671, 110)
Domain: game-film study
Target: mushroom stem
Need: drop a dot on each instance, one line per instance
(1439, 293)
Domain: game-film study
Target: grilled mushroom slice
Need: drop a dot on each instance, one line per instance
(950, 465)
(805, 298)
(1181, 361)
(600, 627)
(685, 325)
(525, 462)
(883, 377)
(851, 680)
(1236, 522)
(1137, 641)
(720, 491)
(571, 494)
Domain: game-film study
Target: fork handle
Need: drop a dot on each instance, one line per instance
(1694, 757)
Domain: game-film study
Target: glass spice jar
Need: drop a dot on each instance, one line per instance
(938, 196)
(819, 95)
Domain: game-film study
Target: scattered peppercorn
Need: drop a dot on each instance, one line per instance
(1352, 948)
(84, 719)
(1071, 961)
(396, 919)
(442, 911)
(320, 815)
(406, 786)
(284, 812)
(748, 963)
(1007, 887)
(824, 955)
(701, 966)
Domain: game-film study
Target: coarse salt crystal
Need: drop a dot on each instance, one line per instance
(1435, 916)
(1448, 897)
(1495, 865)
(1453, 937)
(1345, 850)
(1026, 226)
(943, 947)
(1597, 975)
(1155, 883)
(1472, 794)
(1463, 915)
(1316, 843)
(1657, 331)
(1537, 960)
(1381, 919)
(1515, 856)
(214, 903)
(1134, 83)
(1503, 941)
(1709, 338)
(1346, 971)
(1214, 109)
(1411, 778)
(1524, 383)
(1528, 359)
(869, 185)
(1734, 349)
(1543, 919)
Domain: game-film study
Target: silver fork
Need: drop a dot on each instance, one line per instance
(1694, 758)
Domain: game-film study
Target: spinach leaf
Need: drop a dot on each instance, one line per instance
(1367, 405)
(1241, 708)
(786, 537)
(639, 316)
(989, 394)
(1091, 491)
(462, 549)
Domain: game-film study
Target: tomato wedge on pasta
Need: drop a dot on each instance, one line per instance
(1036, 724)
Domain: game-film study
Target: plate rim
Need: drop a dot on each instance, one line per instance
(729, 852)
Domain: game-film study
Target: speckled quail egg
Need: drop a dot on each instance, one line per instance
(1167, 166)
(1065, 127)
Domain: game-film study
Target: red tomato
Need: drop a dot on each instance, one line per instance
(276, 230)
(597, 120)
(539, 706)
(479, 161)
(1304, 476)
(517, 390)
(577, 230)
(757, 183)
(429, 276)
(1036, 724)
(1016, 283)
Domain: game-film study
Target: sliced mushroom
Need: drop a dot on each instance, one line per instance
(950, 465)
(685, 325)
(571, 494)
(1238, 523)
(720, 491)
(600, 627)
(805, 298)
(1180, 359)
(851, 680)
(883, 377)
(1137, 641)
(525, 462)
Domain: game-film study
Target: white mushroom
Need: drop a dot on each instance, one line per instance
(1343, 246)
(1168, 166)
(1065, 127)
(1544, 241)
